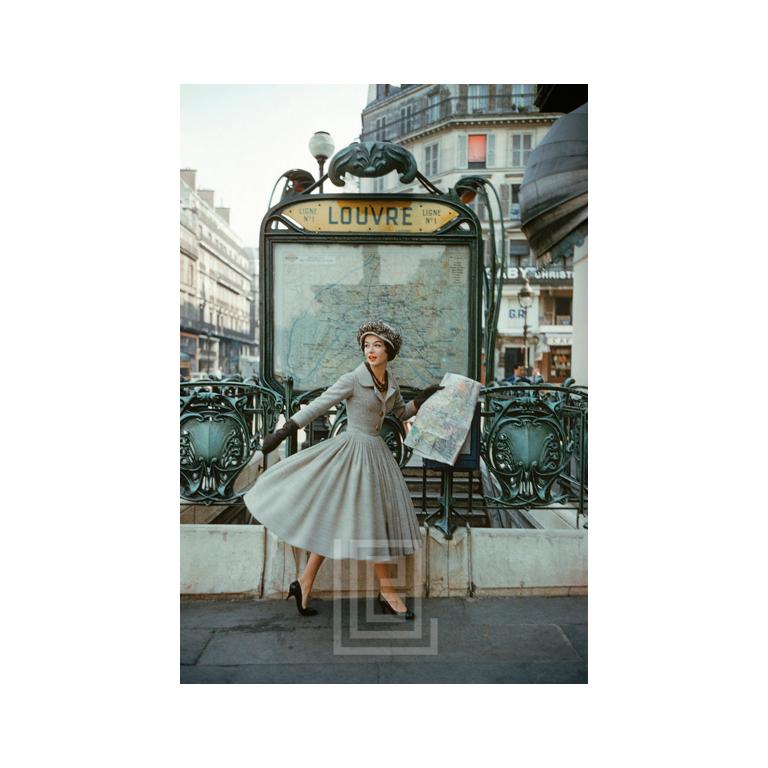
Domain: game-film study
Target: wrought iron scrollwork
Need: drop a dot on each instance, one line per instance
(372, 158)
(534, 444)
(221, 426)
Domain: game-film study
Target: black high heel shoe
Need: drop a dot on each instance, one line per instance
(295, 591)
(407, 614)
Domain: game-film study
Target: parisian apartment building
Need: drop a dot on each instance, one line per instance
(490, 131)
(215, 287)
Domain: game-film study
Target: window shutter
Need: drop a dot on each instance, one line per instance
(516, 151)
(505, 199)
(461, 155)
(491, 159)
(510, 139)
(436, 159)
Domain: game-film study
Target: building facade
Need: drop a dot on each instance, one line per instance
(249, 366)
(214, 287)
(490, 131)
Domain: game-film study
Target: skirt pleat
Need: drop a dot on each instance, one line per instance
(342, 498)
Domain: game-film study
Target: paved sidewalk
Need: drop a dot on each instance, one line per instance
(452, 640)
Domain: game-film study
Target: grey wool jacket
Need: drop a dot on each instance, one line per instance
(366, 406)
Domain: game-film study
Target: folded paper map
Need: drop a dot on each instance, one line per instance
(442, 424)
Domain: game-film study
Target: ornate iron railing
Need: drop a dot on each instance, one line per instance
(534, 439)
(534, 443)
(222, 423)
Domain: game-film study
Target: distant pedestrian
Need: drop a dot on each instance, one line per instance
(518, 376)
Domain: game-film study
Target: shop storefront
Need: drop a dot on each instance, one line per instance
(556, 362)
(545, 329)
(188, 354)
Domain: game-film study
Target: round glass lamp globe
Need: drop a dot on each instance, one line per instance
(321, 145)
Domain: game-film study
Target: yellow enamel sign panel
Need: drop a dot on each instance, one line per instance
(400, 216)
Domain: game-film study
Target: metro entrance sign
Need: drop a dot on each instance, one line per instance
(371, 215)
(330, 262)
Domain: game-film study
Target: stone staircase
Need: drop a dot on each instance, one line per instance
(426, 493)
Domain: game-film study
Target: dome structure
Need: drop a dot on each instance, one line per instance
(553, 195)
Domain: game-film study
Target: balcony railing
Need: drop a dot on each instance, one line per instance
(453, 106)
(196, 325)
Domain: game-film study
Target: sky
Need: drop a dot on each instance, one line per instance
(241, 138)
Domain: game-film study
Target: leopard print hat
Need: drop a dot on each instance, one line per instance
(385, 332)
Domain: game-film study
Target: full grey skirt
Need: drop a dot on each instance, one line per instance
(342, 498)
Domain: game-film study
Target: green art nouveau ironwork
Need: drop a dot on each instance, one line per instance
(495, 263)
(327, 262)
(221, 426)
(534, 443)
(371, 159)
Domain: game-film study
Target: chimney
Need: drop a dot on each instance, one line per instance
(207, 195)
(188, 177)
(224, 213)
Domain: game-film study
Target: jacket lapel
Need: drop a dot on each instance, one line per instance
(365, 379)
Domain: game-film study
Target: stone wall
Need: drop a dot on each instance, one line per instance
(250, 561)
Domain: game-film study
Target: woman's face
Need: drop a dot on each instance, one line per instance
(375, 350)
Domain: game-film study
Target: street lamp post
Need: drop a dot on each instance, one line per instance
(321, 146)
(525, 299)
(203, 334)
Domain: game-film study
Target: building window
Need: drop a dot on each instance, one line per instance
(520, 148)
(478, 98)
(523, 97)
(382, 91)
(381, 129)
(510, 201)
(480, 151)
(519, 256)
(406, 119)
(476, 151)
(430, 159)
(563, 310)
(433, 108)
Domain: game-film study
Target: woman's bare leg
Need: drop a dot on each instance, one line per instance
(387, 590)
(307, 579)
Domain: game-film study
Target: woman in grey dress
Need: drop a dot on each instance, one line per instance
(346, 497)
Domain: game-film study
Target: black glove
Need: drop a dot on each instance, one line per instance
(270, 442)
(426, 393)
